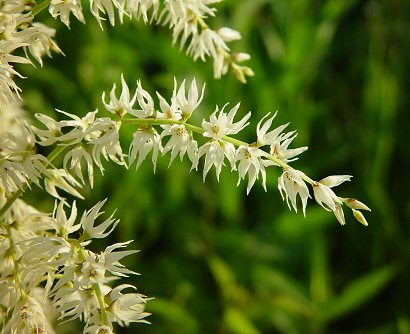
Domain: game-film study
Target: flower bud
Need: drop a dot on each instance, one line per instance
(355, 204)
(335, 180)
(359, 216)
(240, 57)
(228, 34)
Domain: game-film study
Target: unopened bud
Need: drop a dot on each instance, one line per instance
(248, 71)
(240, 57)
(228, 34)
(238, 72)
(359, 216)
(355, 204)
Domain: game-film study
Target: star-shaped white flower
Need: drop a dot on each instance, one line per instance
(122, 105)
(179, 143)
(221, 124)
(266, 137)
(102, 230)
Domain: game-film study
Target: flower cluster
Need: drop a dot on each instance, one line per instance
(167, 129)
(186, 19)
(18, 31)
(38, 247)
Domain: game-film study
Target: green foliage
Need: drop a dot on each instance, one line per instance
(218, 261)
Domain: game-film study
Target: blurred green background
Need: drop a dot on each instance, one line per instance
(216, 260)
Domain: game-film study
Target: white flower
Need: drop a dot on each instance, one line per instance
(63, 225)
(183, 17)
(94, 324)
(138, 9)
(88, 220)
(251, 163)
(79, 125)
(168, 111)
(105, 6)
(193, 154)
(12, 175)
(145, 101)
(291, 184)
(281, 151)
(59, 178)
(327, 198)
(73, 302)
(22, 142)
(40, 41)
(126, 308)
(180, 141)
(122, 105)
(215, 152)
(272, 137)
(186, 10)
(101, 329)
(206, 43)
(221, 124)
(187, 104)
(109, 259)
(49, 136)
(77, 155)
(143, 142)
(28, 317)
(103, 134)
(8, 88)
(63, 8)
(92, 272)
(11, 23)
(45, 253)
(35, 167)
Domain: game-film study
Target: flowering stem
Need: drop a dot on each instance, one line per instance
(38, 8)
(194, 128)
(51, 157)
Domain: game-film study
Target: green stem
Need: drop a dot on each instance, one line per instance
(13, 256)
(97, 290)
(51, 157)
(55, 153)
(101, 302)
(38, 8)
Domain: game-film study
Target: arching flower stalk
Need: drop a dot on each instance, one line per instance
(91, 138)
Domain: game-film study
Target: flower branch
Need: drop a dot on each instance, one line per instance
(95, 137)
